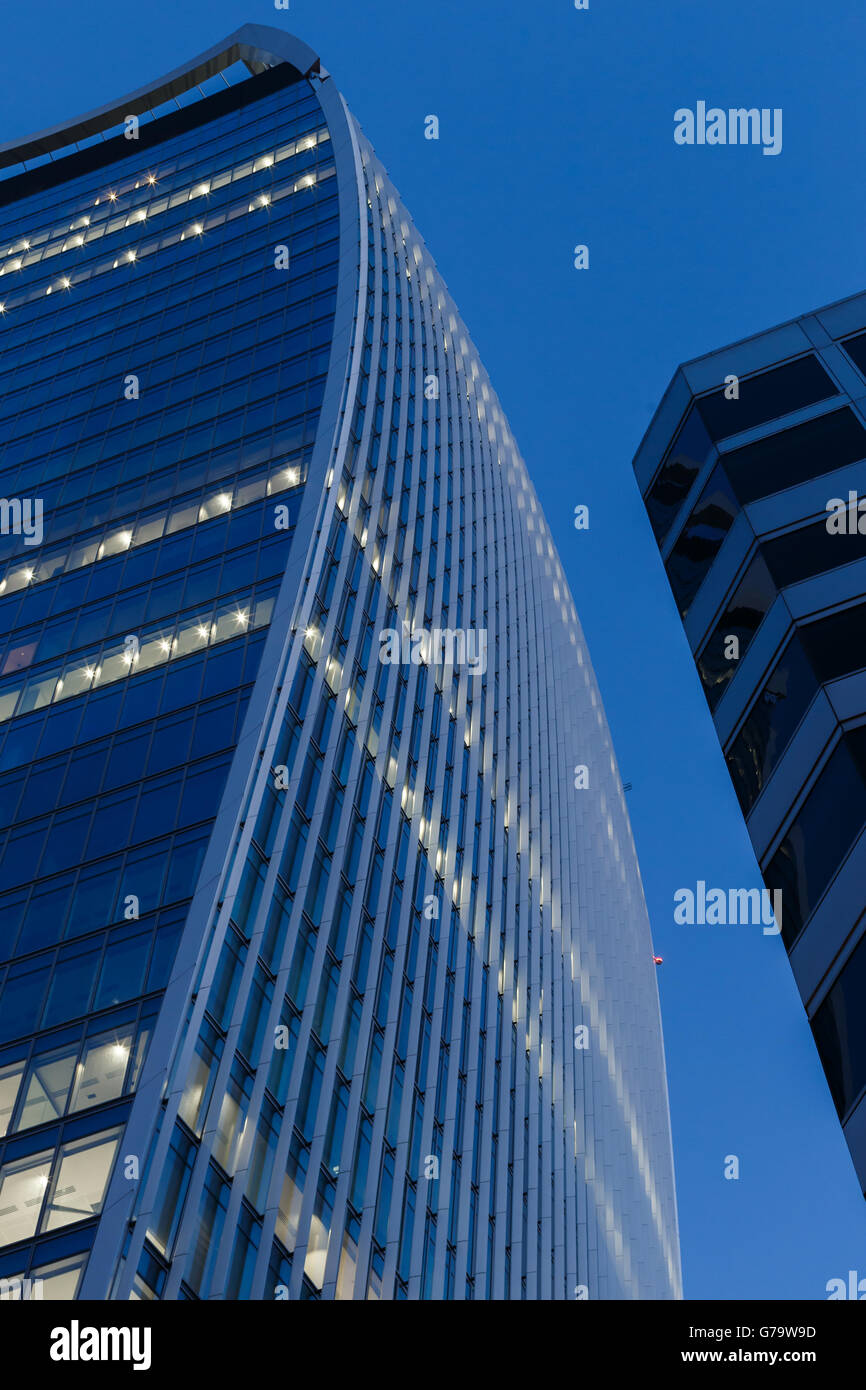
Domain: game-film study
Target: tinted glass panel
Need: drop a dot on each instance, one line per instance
(830, 820)
(793, 456)
(856, 350)
(810, 550)
(821, 651)
(836, 646)
(688, 454)
(742, 617)
(839, 1027)
(762, 398)
(699, 541)
(770, 723)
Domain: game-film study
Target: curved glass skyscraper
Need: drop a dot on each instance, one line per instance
(326, 967)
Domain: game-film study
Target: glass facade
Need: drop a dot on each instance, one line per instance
(771, 588)
(160, 385)
(300, 942)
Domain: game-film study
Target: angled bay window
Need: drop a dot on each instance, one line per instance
(821, 835)
(701, 537)
(50, 1189)
(783, 701)
(765, 396)
(789, 717)
(820, 651)
(795, 455)
(856, 350)
(839, 1027)
(743, 615)
(690, 450)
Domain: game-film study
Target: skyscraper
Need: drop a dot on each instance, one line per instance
(327, 970)
(751, 471)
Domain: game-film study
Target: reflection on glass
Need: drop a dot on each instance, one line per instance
(10, 1081)
(100, 1073)
(22, 1190)
(81, 1177)
(48, 1084)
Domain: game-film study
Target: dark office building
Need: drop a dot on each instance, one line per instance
(751, 472)
(319, 978)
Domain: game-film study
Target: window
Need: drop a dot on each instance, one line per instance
(348, 1261)
(836, 645)
(231, 1125)
(243, 1259)
(742, 617)
(770, 723)
(102, 1069)
(256, 1015)
(289, 1213)
(839, 1027)
(22, 997)
(48, 1081)
(63, 1079)
(856, 350)
(22, 1191)
(123, 966)
(794, 456)
(224, 989)
(810, 550)
(311, 1086)
(685, 459)
(201, 1078)
(262, 1156)
(10, 1081)
(80, 1179)
(824, 650)
(211, 1216)
(31, 1201)
(285, 1041)
(766, 396)
(701, 538)
(279, 1272)
(336, 1127)
(60, 1279)
(826, 826)
(72, 984)
(320, 1233)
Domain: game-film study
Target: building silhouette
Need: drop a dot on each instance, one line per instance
(750, 473)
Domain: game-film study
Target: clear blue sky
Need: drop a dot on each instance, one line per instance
(557, 128)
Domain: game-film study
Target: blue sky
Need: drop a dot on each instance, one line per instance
(556, 128)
